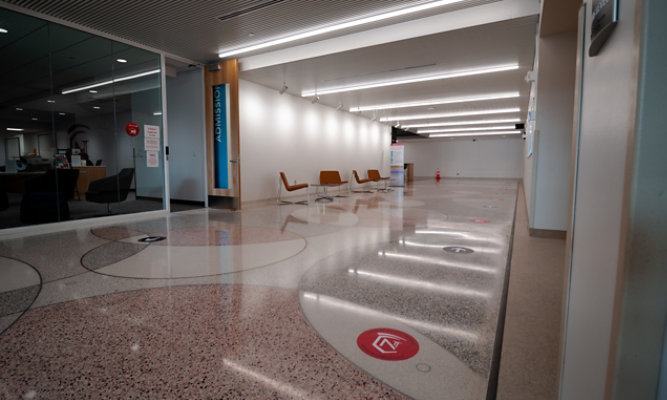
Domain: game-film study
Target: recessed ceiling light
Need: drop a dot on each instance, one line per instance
(110, 81)
(412, 79)
(92, 91)
(156, 113)
(456, 123)
(34, 119)
(448, 115)
(121, 60)
(3, 30)
(450, 100)
(62, 114)
(338, 27)
(465, 134)
(19, 109)
(96, 107)
(15, 129)
(486, 128)
(51, 101)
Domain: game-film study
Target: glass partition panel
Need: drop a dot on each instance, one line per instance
(71, 100)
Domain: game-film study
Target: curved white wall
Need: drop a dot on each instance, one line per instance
(290, 134)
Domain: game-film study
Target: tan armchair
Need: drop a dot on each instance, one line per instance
(361, 183)
(374, 175)
(283, 182)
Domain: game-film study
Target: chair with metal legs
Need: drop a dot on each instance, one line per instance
(290, 188)
(374, 175)
(361, 183)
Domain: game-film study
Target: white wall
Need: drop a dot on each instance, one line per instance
(547, 171)
(288, 133)
(187, 155)
(607, 123)
(483, 158)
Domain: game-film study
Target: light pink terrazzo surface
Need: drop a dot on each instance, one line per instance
(195, 342)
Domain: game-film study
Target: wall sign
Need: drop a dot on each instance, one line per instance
(388, 344)
(605, 17)
(132, 129)
(221, 137)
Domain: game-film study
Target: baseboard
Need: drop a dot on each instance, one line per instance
(547, 233)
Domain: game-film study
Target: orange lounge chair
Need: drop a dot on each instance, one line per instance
(374, 175)
(291, 188)
(361, 182)
(330, 179)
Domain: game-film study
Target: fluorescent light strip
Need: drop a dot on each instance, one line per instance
(15, 129)
(449, 115)
(109, 82)
(486, 128)
(464, 134)
(456, 123)
(436, 102)
(338, 27)
(423, 78)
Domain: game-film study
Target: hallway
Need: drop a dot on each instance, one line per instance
(277, 302)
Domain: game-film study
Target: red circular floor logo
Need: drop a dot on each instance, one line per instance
(480, 221)
(388, 344)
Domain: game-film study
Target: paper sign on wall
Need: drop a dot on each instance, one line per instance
(152, 131)
(151, 144)
(152, 160)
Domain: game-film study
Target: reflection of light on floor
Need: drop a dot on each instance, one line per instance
(410, 243)
(367, 311)
(466, 235)
(288, 390)
(419, 284)
(436, 261)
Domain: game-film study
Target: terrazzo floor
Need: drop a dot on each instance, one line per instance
(372, 296)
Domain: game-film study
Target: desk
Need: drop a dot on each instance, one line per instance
(87, 175)
(15, 181)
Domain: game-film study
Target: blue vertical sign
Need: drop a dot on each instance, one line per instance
(220, 137)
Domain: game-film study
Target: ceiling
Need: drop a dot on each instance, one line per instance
(196, 31)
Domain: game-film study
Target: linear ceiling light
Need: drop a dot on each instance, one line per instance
(110, 81)
(414, 79)
(478, 129)
(456, 123)
(15, 129)
(451, 114)
(338, 27)
(465, 134)
(433, 102)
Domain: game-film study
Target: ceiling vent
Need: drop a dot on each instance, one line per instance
(248, 10)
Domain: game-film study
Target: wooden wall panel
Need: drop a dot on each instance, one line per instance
(228, 73)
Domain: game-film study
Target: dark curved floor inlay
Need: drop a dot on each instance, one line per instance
(110, 253)
(17, 300)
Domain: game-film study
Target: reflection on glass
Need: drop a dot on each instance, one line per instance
(66, 103)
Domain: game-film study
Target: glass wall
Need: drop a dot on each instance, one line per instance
(81, 124)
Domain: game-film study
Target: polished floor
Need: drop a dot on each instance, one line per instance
(372, 296)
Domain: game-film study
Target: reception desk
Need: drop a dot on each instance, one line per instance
(87, 175)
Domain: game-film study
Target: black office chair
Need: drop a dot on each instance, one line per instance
(112, 189)
(45, 198)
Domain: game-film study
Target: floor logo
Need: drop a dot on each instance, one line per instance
(388, 344)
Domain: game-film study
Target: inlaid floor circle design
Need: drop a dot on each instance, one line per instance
(20, 284)
(217, 249)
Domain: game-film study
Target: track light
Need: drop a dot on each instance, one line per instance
(412, 79)
(316, 99)
(340, 105)
(450, 100)
(450, 114)
(283, 89)
(338, 27)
